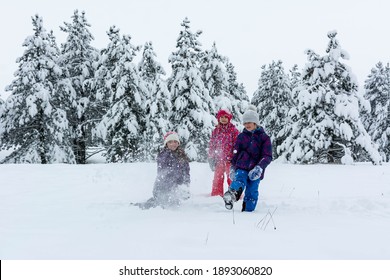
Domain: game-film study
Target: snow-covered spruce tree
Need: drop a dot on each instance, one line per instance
(215, 78)
(295, 77)
(2, 116)
(77, 57)
(122, 127)
(273, 101)
(328, 127)
(191, 114)
(103, 83)
(157, 103)
(32, 122)
(377, 122)
(238, 93)
(65, 93)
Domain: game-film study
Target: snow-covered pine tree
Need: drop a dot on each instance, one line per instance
(157, 104)
(122, 127)
(65, 94)
(1, 105)
(238, 93)
(215, 78)
(295, 77)
(104, 83)
(77, 57)
(32, 122)
(377, 122)
(328, 127)
(2, 108)
(191, 116)
(273, 101)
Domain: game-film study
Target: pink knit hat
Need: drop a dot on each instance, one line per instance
(171, 135)
(224, 112)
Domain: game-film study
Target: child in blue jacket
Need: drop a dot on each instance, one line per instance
(251, 155)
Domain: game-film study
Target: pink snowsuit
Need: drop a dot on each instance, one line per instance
(221, 145)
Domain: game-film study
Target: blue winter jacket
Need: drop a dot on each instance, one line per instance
(252, 148)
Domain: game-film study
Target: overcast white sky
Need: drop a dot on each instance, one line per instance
(250, 32)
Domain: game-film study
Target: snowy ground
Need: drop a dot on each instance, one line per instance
(320, 212)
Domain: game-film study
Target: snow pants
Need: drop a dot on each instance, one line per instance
(251, 189)
(221, 168)
(170, 195)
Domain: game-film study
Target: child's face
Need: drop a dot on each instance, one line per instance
(250, 126)
(223, 120)
(172, 145)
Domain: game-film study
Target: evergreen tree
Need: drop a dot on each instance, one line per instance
(103, 83)
(77, 57)
(377, 122)
(122, 127)
(2, 116)
(328, 127)
(157, 104)
(238, 93)
(191, 115)
(295, 77)
(273, 101)
(215, 79)
(32, 121)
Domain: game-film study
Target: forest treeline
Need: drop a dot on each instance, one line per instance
(67, 99)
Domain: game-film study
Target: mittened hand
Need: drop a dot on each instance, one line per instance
(255, 173)
(212, 164)
(232, 173)
(183, 191)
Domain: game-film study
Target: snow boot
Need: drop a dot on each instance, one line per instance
(230, 197)
(150, 203)
(243, 206)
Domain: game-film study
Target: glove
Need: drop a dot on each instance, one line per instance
(212, 164)
(232, 173)
(255, 173)
(183, 191)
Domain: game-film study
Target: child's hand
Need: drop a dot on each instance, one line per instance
(183, 191)
(232, 173)
(255, 173)
(212, 164)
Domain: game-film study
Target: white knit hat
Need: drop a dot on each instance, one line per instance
(171, 135)
(251, 115)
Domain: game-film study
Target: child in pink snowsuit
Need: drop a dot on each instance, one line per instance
(221, 145)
